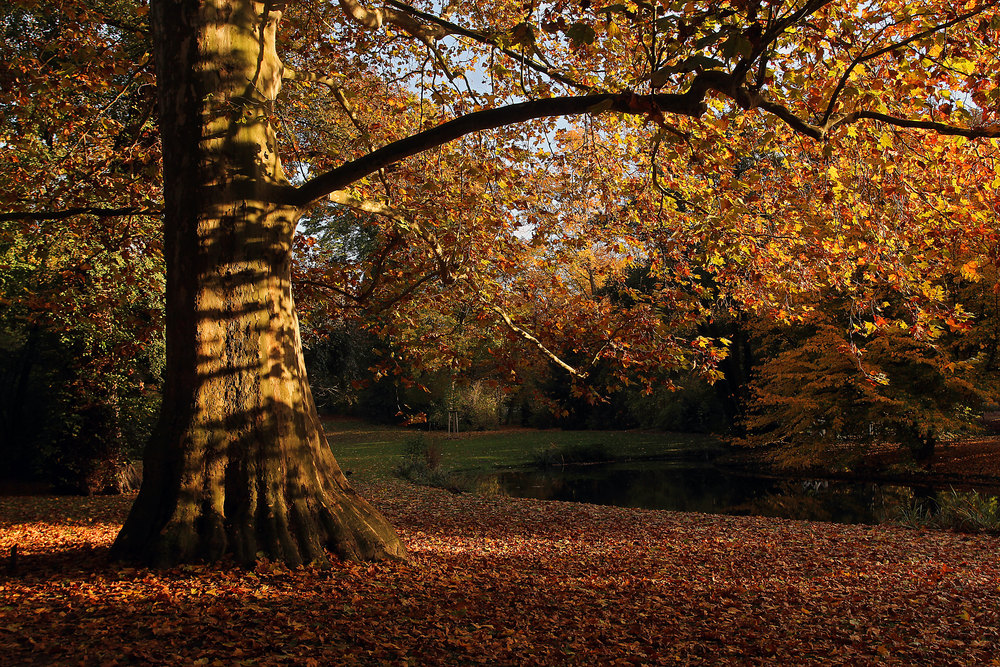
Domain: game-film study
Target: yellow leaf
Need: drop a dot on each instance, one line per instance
(969, 271)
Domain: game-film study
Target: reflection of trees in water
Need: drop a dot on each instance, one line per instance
(684, 488)
(691, 488)
(824, 500)
(923, 497)
(707, 489)
(815, 500)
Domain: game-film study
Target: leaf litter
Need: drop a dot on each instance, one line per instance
(497, 580)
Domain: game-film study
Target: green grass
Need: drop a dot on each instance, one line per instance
(373, 451)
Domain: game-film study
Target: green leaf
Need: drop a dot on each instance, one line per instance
(710, 38)
(736, 45)
(580, 34)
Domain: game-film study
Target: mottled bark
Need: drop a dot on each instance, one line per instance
(238, 463)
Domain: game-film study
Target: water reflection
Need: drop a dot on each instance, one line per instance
(701, 487)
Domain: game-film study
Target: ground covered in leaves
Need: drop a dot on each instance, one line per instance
(974, 458)
(510, 581)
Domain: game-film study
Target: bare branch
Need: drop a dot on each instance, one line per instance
(537, 343)
(345, 104)
(103, 110)
(455, 29)
(362, 300)
(405, 222)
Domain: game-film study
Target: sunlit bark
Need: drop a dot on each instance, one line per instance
(239, 464)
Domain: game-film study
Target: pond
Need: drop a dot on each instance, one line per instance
(691, 486)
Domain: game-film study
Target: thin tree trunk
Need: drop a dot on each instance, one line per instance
(238, 463)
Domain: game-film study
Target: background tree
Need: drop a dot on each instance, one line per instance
(897, 342)
(81, 308)
(819, 400)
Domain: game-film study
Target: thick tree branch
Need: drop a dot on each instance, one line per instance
(750, 100)
(289, 74)
(376, 18)
(366, 206)
(689, 104)
(992, 132)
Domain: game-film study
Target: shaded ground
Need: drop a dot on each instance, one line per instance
(511, 581)
(978, 457)
(971, 462)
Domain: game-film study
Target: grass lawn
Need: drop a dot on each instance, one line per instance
(373, 450)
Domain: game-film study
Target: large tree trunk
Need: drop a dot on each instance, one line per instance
(238, 464)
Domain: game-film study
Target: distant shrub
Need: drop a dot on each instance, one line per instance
(489, 487)
(416, 471)
(422, 449)
(421, 464)
(480, 406)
